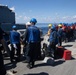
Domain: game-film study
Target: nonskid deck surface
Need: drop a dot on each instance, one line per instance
(47, 66)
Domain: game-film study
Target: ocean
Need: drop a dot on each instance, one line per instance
(42, 26)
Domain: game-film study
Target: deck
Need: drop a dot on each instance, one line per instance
(45, 67)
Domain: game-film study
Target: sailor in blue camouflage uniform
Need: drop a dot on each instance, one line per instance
(33, 43)
(15, 44)
(53, 40)
(60, 35)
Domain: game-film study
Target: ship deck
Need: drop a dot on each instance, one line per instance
(45, 67)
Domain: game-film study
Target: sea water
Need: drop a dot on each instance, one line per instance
(42, 26)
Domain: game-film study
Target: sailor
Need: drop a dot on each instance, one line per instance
(25, 46)
(33, 42)
(2, 41)
(60, 34)
(53, 41)
(49, 30)
(15, 43)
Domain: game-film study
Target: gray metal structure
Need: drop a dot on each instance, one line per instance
(6, 15)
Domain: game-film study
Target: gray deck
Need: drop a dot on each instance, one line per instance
(46, 67)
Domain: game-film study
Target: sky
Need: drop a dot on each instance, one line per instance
(45, 11)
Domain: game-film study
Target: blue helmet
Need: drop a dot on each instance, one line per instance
(33, 20)
(14, 27)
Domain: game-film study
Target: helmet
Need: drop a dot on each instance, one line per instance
(14, 27)
(33, 20)
(60, 25)
(49, 25)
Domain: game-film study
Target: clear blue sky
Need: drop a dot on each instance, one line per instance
(45, 11)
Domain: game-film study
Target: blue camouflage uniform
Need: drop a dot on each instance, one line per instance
(33, 43)
(15, 44)
(52, 42)
(60, 35)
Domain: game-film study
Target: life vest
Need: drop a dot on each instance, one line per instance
(64, 28)
(73, 27)
(33, 34)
